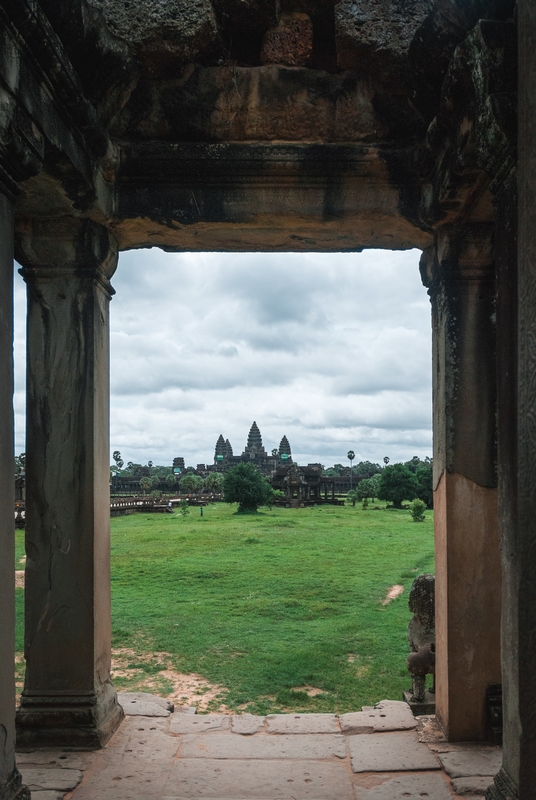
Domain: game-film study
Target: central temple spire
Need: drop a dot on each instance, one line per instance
(254, 446)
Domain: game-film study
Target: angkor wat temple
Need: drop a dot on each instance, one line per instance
(253, 453)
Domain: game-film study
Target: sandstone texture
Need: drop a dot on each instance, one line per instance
(389, 715)
(290, 43)
(469, 763)
(375, 35)
(144, 704)
(390, 752)
(181, 29)
(302, 723)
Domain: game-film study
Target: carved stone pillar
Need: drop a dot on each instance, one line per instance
(68, 698)
(517, 435)
(460, 276)
(10, 780)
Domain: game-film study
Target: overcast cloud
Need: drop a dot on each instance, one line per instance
(332, 350)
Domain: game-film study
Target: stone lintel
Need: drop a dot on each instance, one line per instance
(263, 196)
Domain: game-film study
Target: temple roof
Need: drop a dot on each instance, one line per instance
(284, 446)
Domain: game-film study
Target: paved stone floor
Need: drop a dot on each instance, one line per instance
(380, 753)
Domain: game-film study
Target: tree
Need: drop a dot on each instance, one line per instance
(214, 482)
(397, 483)
(145, 483)
(191, 483)
(245, 485)
(350, 455)
(171, 479)
(116, 455)
(425, 488)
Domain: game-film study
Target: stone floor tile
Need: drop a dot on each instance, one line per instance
(50, 778)
(55, 758)
(247, 724)
(388, 715)
(466, 763)
(198, 723)
(47, 795)
(475, 785)
(390, 752)
(299, 746)
(302, 723)
(263, 780)
(144, 704)
(129, 779)
(147, 740)
(409, 787)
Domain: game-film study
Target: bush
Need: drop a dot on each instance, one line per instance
(417, 509)
(183, 508)
(353, 496)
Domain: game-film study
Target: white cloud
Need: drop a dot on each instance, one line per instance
(332, 350)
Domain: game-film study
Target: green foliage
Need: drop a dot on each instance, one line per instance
(20, 464)
(145, 483)
(171, 479)
(353, 496)
(417, 509)
(365, 503)
(214, 482)
(367, 489)
(183, 508)
(116, 455)
(191, 483)
(425, 490)
(397, 483)
(245, 485)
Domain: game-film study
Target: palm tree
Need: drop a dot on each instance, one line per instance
(351, 455)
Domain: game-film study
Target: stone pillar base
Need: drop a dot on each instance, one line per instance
(503, 788)
(14, 790)
(81, 720)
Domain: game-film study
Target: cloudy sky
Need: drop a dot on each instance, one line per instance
(332, 350)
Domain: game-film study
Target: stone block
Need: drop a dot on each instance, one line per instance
(180, 30)
(389, 715)
(48, 795)
(302, 723)
(409, 787)
(390, 752)
(42, 778)
(298, 746)
(55, 758)
(468, 763)
(475, 785)
(247, 724)
(259, 779)
(425, 708)
(290, 43)
(198, 723)
(141, 704)
(374, 36)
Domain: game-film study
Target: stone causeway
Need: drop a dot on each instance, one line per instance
(158, 753)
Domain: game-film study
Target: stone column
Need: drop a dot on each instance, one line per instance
(517, 435)
(68, 698)
(10, 780)
(460, 276)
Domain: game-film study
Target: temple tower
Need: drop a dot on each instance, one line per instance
(220, 449)
(284, 447)
(228, 449)
(254, 446)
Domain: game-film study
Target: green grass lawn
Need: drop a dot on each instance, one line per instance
(264, 604)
